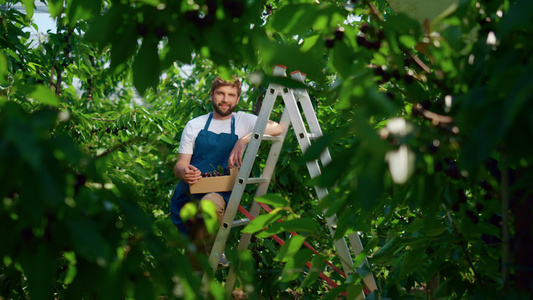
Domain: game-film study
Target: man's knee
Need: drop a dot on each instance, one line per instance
(218, 201)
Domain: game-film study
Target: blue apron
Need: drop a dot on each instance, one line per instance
(210, 151)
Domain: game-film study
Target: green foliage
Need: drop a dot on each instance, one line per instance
(427, 125)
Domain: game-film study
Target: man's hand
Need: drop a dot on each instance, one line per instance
(185, 171)
(235, 157)
(192, 174)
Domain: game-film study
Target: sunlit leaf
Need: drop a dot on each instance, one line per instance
(273, 199)
(43, 94)
(290, 248)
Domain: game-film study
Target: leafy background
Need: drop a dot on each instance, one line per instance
(428, 126)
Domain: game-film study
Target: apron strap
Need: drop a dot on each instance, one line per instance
(208, 121)
(232, 124)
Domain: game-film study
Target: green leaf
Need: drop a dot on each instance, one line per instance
(43, 94)
(30, 7)
(83, 10)
(3, 68)
(72, 269)
(408, 41)
(39, 265)
(300, 225)
(188, 211)
(178, 49)
(317, 266)
(209, 213)
(146, 67)
(87, 241)
(295, 267)
(290, 248)
(55, 7)
(150, 2)
(412, 260)
(261, 222)
(386, 252)
(123, 50)
(415, 226)
(274, 200)
(334, 293)
(295, 19)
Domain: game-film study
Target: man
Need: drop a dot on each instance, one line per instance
(215, 139)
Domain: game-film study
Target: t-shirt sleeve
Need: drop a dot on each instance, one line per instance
(187, 140)
(248, 123)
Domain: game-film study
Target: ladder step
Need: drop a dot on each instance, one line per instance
(311, 136)
(267, 137)
(241, 222)
(252, 180)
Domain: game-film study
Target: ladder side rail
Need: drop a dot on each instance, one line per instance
(262, 188)
(314, 169)
(357, 247)
(314, 126)
(273, 156)
(242, 178)
(310, 114)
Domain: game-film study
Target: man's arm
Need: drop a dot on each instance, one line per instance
(273, 128)
(235, 157)
(185, 171)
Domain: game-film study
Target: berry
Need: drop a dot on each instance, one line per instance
(378, 71)
(235, 7)
(474, 217)
(361, 40)
(462, 196)
(434, 146)
(485, 185)
(451, 169)
(142, 29)
(375, 45)
(329, 42)
(339, 33)
(438, 166)
(191, 16)
(396, 74)
(381, 35)
(27, 233)
(408, 79)
(426, 104)
(385, 76)
(455, 207)
(160, 32)
(365, 28)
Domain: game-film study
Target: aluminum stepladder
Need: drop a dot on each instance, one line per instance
(291, 115)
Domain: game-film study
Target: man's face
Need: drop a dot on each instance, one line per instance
(224, 100)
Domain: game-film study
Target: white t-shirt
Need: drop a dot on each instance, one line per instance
(244, 124)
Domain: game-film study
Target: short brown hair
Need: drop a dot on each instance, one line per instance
(218, 81)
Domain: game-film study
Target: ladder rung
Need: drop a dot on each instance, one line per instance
(241, 222)
(311, 136)
(252, 180)
(267, 137)
(314, 136)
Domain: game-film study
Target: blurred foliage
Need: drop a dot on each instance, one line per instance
(427, 125)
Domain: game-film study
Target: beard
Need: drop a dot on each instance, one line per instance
(225, 113)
